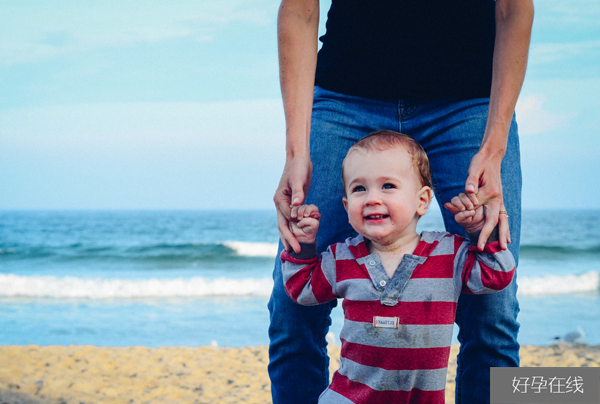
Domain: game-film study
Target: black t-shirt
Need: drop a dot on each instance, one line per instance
(410, 49)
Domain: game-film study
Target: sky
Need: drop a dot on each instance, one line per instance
(176, 105)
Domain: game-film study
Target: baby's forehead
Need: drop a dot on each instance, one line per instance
(374, 153)
(361, 160)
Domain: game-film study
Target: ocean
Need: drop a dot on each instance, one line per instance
(193, 278)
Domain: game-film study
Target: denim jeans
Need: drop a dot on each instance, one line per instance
(450, 131)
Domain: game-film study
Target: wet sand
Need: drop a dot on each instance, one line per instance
(87, 374)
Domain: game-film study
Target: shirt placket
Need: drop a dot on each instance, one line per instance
(390, 289)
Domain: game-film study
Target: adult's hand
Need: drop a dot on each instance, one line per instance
(291, 191)
(485, 183)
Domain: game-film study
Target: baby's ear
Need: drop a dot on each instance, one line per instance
(345, 201)
(425, 195)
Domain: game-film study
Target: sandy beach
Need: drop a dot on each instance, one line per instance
(87, 374)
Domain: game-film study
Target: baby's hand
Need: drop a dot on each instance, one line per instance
(305, 223)
(466, 211)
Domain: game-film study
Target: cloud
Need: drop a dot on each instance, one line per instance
(534, 119)
(544, 53)
(34, 32)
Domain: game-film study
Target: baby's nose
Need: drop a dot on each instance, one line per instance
(373, 198)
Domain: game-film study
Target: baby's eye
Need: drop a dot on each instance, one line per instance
(389, 186)
(358, 188)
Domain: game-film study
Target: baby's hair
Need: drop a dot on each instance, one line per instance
(387, 139)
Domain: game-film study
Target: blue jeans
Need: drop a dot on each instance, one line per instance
(450, 131)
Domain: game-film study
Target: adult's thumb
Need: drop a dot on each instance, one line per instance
(472, 185)
(297, 196)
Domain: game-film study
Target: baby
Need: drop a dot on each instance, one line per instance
(400, 288)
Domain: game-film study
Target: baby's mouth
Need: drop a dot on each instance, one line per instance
(376, 217)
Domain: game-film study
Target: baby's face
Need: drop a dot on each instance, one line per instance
(383, 194)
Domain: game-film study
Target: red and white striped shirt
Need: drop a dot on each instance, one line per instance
(397, 332)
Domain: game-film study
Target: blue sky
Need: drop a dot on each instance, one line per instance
(155, 105)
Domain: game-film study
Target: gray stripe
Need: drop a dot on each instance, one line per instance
(406, 336)
(432, 236)
(358, 289)
(474, 282)
(505, 260)
(459, 263)
(355, 240)
(307, 297)
(444, 247)
(429, 290)
(342, 252)
(329, 269)
(394, 380)
(332, 397)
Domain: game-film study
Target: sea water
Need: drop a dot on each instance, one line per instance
(192, 278)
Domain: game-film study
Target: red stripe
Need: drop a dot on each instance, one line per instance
(496, 280)
(297, 282)
(396, 358)
(423, 249)
(361, 393)
(320, 286)
(466, 273)
(437, 266)
(358, 251)
(350, 269)
(285, 256)
(409, 312)
(493, 247)
(333, 249)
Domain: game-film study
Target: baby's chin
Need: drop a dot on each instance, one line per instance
(388, 240)
(384, 241)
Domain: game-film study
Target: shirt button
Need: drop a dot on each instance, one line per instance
(383, 283)
(372, 262)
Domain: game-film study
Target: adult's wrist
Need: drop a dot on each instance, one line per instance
(492, 151)
(495, 139)
(297, 152)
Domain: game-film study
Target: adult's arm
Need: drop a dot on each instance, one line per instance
(297, 35)
(514, 19)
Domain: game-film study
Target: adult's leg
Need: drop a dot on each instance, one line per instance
(299, 365)
(451, 133)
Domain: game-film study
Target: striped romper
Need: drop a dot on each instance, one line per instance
(397, 332)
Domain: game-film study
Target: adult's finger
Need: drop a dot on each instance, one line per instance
(297, 185)
(287, 238)
(503, 228)
(491, 220)
(472, 183)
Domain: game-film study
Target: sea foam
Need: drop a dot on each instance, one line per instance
(249, 249)
(196, 287)
(72, 287)
(559, 285)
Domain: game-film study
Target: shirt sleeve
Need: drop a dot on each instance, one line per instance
(309, 279)
(487, 271)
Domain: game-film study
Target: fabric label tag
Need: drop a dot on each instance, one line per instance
(385, 322)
